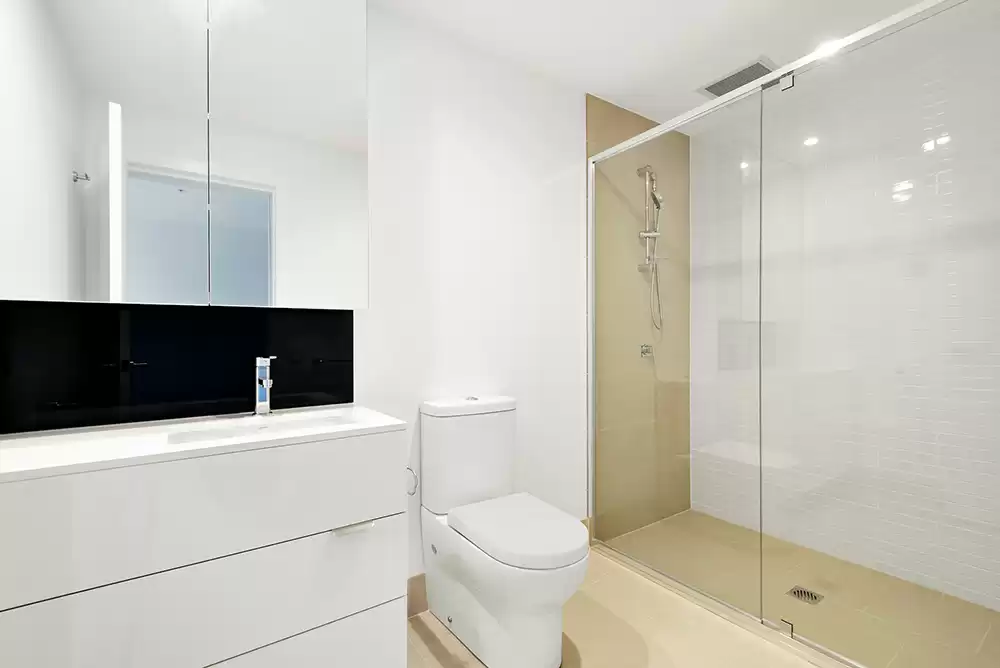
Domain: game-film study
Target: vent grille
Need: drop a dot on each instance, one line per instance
(805, 595)
(751, 72)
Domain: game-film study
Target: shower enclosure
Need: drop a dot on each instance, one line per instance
(795, 402)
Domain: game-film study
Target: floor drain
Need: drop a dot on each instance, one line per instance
(805, 595)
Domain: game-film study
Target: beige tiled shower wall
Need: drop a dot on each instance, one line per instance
(643, 442)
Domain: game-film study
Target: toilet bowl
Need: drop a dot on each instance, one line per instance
(499, 566)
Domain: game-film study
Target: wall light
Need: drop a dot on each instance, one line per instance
(811, 141)
(928, 145)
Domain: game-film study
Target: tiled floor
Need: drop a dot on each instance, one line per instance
(873, 618)
(619, 619)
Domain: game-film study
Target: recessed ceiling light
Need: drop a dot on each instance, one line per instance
(828, 48)
(944, 139)
(811, 141)
(902, 185)
(744, 165)
(928, 145)
(901, 197)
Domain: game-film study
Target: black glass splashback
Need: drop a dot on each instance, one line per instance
(81, 364)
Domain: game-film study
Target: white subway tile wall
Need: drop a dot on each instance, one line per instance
(880, 394)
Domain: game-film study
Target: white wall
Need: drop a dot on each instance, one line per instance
(478, 238)
(38, 118)
(320, 199)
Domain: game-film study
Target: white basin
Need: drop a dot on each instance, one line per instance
(255, 425)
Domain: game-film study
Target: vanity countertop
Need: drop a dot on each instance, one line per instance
(25, 457)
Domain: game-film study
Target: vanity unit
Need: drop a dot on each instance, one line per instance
(258, 541)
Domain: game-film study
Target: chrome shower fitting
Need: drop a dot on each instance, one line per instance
(649, 236)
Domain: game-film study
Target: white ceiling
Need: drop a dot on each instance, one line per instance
(298, 66)
(650, 56)
(886, 98)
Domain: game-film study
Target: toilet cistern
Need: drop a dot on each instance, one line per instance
(263, 385)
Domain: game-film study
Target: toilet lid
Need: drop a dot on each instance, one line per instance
(520, 530)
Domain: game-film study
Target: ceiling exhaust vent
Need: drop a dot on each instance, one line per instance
(752, 72)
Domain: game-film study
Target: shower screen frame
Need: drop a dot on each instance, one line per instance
(783, 76)
(857, 40)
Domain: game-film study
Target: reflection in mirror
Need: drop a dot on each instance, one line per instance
(289, 213)
(86, 147)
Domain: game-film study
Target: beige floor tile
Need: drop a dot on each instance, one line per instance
(701, 554)
(866, 615)
(598, 568)
(413, 657)
(620, 619)
(716, 643)
(845, 583)
(436, 646)
(989, 650)
(847, 631)
(913, 609)
(676, 632)
(932, 655)
(597, 637)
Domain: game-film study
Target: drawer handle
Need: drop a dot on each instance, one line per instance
(354, 528)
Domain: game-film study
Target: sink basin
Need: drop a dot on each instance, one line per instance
(249, 426)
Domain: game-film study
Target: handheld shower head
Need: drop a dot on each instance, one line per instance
(646, 172)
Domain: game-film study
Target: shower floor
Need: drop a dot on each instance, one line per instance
(870, 617)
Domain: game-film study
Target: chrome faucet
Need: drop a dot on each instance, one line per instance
(263, 385)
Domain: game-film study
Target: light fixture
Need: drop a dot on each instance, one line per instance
(744, 165)
(811, 141)
(901, 197)
(828, 48)
(943, 139)
(902, 186)
(928, 145)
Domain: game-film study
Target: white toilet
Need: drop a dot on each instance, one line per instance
(499, 565)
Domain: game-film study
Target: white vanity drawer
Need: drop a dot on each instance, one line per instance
(195, 616)
(70, 533)
(375, 638)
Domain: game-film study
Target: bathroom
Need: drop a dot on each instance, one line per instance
(786, 384)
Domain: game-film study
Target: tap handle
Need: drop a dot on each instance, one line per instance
(266, 361)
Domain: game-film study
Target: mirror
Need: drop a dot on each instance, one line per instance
(94, 83)
(185, 151)
(289, 137)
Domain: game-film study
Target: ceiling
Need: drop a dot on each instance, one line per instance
(886, 98)
(650, 56)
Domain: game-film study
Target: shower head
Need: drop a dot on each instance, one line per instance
(646, 172)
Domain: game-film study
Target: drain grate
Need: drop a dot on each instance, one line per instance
(805, 595)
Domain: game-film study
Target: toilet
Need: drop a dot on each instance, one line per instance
(499, 565)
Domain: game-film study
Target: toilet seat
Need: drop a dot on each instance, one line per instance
(522, 531)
